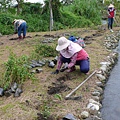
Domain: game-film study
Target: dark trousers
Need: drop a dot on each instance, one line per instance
(110, 23)
(84, 64)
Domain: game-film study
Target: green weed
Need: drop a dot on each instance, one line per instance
(58, 96)
(16, 71)
(45, 110)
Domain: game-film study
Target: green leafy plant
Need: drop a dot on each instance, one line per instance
(16, 70)
(45, 110)
(45, 50)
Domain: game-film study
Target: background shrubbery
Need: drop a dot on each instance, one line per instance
(78, 14)
(81, 13)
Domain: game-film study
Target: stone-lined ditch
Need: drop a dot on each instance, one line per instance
(95, 104)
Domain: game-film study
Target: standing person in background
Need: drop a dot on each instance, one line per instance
(19, 27)
(72, 54)
(111, 15)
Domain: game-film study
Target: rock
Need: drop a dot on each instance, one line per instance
(14, 87)
(99, 89)
(95, 102)
(96, 93)
(8, 93)
(99, 84)
(93, 108)
(39, 70)
(0, 34)
(1, 92)
(18, 92)
(96, 98)
(51, 64)
(40, 62)
(69, 116)
(100, 77)
(84, 114)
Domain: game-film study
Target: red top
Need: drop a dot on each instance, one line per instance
(111, 12)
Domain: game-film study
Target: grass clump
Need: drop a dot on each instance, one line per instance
(45, 50)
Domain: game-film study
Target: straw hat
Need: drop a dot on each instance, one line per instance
(111, 6)
(62, 43)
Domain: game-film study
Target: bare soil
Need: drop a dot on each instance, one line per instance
(44, 99)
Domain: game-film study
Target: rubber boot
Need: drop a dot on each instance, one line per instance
(23, 37)
(20, 37)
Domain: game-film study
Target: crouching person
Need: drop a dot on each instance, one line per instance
(73, 54)
(19, 27)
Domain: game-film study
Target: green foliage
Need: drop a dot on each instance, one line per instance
(88, 9)
(5, 20)
(31, 8)
(6, 29)
(16, 71)
(56, 9)
(45, 50)
(37, 24)
(5, 23)
(71, 20)
(81, 13)
(45, 110)
(58, 96)
(58, 26)
(6, 26)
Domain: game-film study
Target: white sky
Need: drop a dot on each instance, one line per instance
(34, 1)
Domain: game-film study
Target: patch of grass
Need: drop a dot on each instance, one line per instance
(6, 108)
(45, 110)
(23, 107)
(45, 50)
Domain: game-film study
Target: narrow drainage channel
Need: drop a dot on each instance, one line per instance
(111, 101)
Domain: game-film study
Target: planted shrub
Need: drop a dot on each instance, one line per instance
(16, 70)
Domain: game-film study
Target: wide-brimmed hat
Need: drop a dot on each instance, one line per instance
(62, 43)
(111, 6)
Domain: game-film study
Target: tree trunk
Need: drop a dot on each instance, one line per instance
(20, 2)
(103, 1)
(18, 9)
(51, 16)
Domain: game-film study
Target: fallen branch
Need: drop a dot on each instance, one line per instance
(79, 85)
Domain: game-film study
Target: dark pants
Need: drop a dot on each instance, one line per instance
(110, 23)
(22, 28)
(84, 64)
